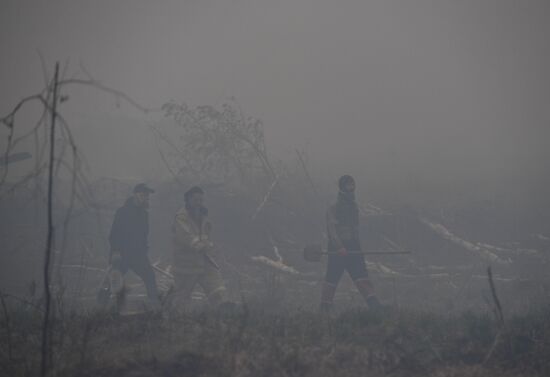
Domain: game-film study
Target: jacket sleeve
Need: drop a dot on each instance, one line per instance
(331, 230)
(185, 236)
(116, 236)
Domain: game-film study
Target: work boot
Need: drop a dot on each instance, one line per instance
(366, 289)
(327, 297)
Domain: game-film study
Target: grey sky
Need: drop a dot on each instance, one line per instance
(439, 92)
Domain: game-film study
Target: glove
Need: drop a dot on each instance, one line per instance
(205, 246)
(116, 258)
(343, 252)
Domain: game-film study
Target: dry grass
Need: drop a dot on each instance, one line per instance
(251, 341)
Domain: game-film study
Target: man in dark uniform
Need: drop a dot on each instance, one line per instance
(343, 239)
(128, 239)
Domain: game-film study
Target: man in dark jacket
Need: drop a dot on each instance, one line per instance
(128, 239)
(343, 240)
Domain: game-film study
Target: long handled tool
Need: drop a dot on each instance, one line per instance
(314, 253)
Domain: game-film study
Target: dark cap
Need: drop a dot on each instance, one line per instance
(193, 190)
(142, 187)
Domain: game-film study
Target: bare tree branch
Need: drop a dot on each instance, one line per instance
(49, 241)
(115, 92)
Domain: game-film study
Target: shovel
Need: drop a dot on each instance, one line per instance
(313, 253)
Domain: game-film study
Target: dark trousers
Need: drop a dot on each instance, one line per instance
(142, 267)
(354, 264)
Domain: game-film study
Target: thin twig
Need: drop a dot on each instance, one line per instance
(266, 198)
(8, 325)
(498, 313)
(306, 172)
(23, 301)
(498, 307)
(115, 92)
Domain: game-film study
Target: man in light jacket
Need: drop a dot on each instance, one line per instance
(193, 251)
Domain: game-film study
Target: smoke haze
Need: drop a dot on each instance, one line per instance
(410, 96)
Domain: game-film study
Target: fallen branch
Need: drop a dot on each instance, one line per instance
(278, 265)
(372, 210)
(82, 267)
(446, 234)
(511, 251)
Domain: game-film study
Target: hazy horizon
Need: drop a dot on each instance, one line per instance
(423, 95)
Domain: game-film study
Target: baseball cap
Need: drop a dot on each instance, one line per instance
(142, 187)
